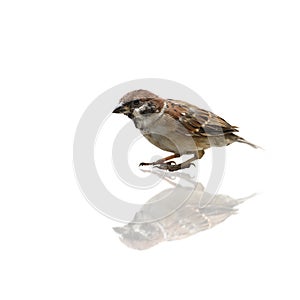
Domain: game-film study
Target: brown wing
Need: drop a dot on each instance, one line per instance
(198, 121)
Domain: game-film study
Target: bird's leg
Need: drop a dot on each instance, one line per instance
(186, 164)
(161, 161)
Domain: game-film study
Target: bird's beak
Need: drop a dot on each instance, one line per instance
(120, 109)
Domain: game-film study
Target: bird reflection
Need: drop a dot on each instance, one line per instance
(199, 212)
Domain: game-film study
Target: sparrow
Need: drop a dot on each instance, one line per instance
(176, 126)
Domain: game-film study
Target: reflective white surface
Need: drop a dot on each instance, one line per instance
(198, 212)
(242, 57)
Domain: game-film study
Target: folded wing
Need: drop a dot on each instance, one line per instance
(196, 121)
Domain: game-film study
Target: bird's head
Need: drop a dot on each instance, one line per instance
(139, 103)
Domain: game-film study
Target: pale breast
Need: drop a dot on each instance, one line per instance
(168, 135)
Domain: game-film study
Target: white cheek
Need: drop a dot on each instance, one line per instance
(143, 121)
(136, 112)
(146, 122)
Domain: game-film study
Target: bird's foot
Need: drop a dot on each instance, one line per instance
(172, 166)
(145, 164)
(157, 163)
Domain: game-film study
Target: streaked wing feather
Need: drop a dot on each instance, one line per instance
(197, 120)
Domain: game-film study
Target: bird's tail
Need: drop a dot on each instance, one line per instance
(241, 140)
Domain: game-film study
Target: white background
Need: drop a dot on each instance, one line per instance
(242, 57)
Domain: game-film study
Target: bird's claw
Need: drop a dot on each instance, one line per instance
(170, 166)
(157, 163)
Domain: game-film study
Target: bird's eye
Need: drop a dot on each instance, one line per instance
(136, 102)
